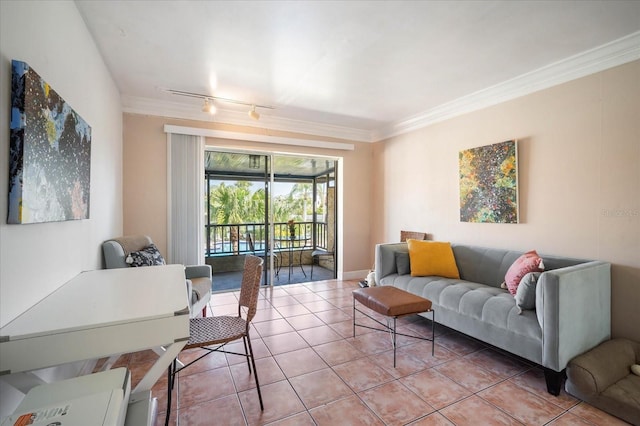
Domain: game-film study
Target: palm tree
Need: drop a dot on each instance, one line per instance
(237, 204)
(300, 199)
(225, 203)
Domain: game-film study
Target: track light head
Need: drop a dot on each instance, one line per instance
(253, 113)
(209, 107)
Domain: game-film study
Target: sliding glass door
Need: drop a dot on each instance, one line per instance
(279, 207)
(305, 225)
(237, 214)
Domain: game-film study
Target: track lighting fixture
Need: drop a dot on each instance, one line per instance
(209, 107)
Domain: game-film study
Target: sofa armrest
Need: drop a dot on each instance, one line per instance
(197, 271)
(385, 261)
(573, 306)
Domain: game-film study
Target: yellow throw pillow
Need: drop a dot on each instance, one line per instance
(432, 258)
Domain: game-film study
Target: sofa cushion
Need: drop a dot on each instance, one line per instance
(432, 258)
(148, 256)
(528, 262)
(483, 309)
(483, 265)
(526, 292)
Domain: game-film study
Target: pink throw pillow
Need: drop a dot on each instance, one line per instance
(528, 262)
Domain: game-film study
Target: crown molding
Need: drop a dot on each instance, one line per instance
(617, 52)
(172, 109)
(256, 137)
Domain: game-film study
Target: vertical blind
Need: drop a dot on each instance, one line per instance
(185, 175)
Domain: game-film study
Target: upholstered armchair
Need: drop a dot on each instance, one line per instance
(139, 250)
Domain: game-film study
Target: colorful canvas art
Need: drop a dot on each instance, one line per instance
(49, 153)
(489, 183)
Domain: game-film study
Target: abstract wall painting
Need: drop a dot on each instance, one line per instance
(489, 183)
(49, 153)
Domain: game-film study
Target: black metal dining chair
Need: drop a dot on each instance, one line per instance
(262, 253)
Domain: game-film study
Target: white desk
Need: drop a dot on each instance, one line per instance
(101, 313)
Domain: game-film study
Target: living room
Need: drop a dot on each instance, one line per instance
(579, 171)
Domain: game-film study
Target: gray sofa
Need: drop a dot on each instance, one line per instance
(572, 303)
(198, 277)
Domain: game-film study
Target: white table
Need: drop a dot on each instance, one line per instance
(102, 313)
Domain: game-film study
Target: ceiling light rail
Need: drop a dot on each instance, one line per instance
(209, 107)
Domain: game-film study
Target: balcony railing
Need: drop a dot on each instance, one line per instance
(231, 239)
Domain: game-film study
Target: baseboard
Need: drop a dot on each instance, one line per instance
(354, 275)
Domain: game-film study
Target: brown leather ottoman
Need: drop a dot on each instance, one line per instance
(392, 302)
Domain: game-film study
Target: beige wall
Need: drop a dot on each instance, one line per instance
(579, 171)
(36, 259)
(145, 182)
(579, 177)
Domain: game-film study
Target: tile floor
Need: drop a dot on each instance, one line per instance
(313, 372)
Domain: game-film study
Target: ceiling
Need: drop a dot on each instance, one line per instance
(360, 70)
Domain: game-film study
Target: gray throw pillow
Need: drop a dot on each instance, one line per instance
(402, 263)
(526, 292)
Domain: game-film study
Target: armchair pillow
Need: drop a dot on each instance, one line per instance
(148, 256)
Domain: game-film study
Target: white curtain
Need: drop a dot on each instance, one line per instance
(185, 198)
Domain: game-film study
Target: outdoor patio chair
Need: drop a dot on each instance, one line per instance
(261, 253)
(213, 333)
(318, 253)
